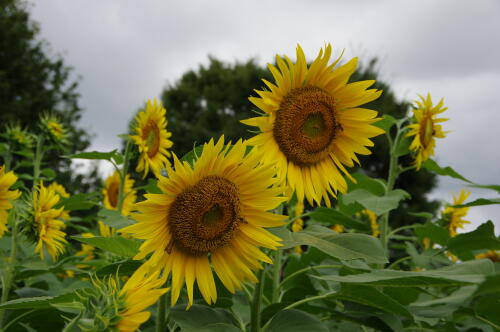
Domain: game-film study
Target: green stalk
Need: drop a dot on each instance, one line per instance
(276, 276)
(38, 160)
(316, 267)
(255, 306)
(123, 176)
(9, 273)
(160, 315)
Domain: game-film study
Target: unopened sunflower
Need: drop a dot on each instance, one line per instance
(111, 192)
(47, 223)
(313, 124)
(152, 138)
(18, 135)
(55, 128)
(426, 128)
(6, 196)
(454, 216)
(212, 214)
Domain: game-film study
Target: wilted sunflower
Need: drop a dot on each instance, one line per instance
(111, 191)
(454, 215)
(54, 127)
(313, 125)
(152, 138)
(47, 223)
(110, 307)
(213, 212)
(426, 128)
(6, 196)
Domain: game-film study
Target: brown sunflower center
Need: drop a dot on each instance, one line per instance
(426, 131)
(204, 217)
(305, 125)
(151, 135)
(113, 193)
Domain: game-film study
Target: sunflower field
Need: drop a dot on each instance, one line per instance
(281, 232)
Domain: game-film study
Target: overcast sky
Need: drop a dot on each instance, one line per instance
(126, 51)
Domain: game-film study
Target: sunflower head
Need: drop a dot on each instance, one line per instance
(313, 123)
(493, 255)
(371, 217)
(425, 128)
(54, 128)
(213, 213)
(152, 138)
(6, 196)
(46, 223)
(59, 189)
(18, 135)
(109, 307)
(454, 216)
(111, 190)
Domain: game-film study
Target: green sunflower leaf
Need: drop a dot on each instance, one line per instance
(78, 202)
(331, 217)
(291, 320)
(432, 166)
(437, 234)
(39, 302)
(203, 318)
(480, 202)
(378, 204)
(117, 245)
(96, 155)
(386, 123)
(483, 238)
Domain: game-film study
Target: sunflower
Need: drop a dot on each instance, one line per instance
(105, 230)
(298, 224)
(213, 211)
(492, 255)
(139, 292)
(152, 138)
(61, 191)
(6, 197)
(111, 191)
(48, 222)
(109, 307)
(426, 128)
(54, 127)
(313, 126)
(454, 215)
(18, 135)
(372, 218)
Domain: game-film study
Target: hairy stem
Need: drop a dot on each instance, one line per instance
(38, 160)
(123, 176)
(256, 302)
(276, 276)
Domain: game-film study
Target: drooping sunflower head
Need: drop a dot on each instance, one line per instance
(152, 138)
(18, 135)
(425, 128)
(454, 216)
(215, 211)
(54, 128)
(111, 192)
(313, 124)
(46, 223)
(6, 196)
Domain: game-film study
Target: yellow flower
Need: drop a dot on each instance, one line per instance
(87, 251)
(338, 228)
(53, 126)
(152, 138)
(213, 210)
(313, 125)
(455, 216)
(492, 255)
(372, 218)
(111, 190)
(61, 191)
(426, 128)
(6, 196)
(139, 292)
(298, 224)
(105, 230)
(48, 222)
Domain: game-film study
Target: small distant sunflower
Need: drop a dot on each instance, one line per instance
(211, 214)
(493, 255)
(87, 251)
(313, 124)
(47, 223)
(54, 127)
(109, 307)
(454, 216)
(426, 128)
(18, 135)
(6, 196)
(338, 228)
(111, 190)
(152, 138)
(372, 218)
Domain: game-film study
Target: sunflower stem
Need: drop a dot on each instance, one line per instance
(123, 176)
(277, 276)
(255, 307)
(160, 316)
(9, 272)
(38, 160)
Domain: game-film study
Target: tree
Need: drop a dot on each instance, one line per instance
(32, 82)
